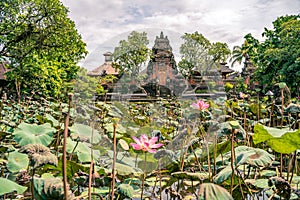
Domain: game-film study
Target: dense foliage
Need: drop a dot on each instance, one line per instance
(277, 56)
(40, 45)
(197, 52)
(132, 53)
(211, 149)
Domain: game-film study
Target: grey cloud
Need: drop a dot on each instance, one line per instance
(224, 21)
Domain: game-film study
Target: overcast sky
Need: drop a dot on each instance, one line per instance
(102, 23)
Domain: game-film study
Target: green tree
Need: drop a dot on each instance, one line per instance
(131, 53)
(248, 48)
(85, 86)
(40, 44)
(278, 57)
(219, 52)
(199, 53)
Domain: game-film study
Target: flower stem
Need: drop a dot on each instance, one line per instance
(64, 164)
(114, 162)
(232, 161)
(144, 176)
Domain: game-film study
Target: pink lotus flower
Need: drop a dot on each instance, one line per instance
(145, 144)
(200, 105)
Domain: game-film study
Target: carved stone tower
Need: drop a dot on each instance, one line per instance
(162, 70)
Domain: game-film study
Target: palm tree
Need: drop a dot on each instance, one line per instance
(247, 50)
(238, 53)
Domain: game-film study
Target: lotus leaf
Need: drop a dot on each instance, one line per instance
(84, 133)
(33, 134)
(54, 121)
(213, 192)
(234, 124)
(260, 183)
(125, 190)
(226, 129)
(280, 140)
(17, 161)
(109, 127)
(293, 108)
(8, 186)
(223, 175)
(102, 190)
(249, 155)
(82, 150)
(253, 156)
(125, 170)
(191, 175)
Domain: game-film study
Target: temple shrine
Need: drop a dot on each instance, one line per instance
(163, 80)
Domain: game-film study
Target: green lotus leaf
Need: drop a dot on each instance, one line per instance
(260, 183)
(17, 161)
(34, 134)
(226, 129)
(102, 190)
(280, 140)
(110, 128)
(125, 170)
(249, 155)
(223, 175)
(253, 156)
(293, 108)
(191, 175)
(84, 133)
(234, 124)
(125, 190)
(213, 192)
(54, 121)
(8, 186)
(281, 85)
(82, 150)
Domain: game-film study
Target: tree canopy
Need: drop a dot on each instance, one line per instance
(132, 53)
(278, 56)
(248, 49)
(40, 44)
(198, 52)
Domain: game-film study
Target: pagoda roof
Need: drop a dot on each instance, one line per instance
(226, 69)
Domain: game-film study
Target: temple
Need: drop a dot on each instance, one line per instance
(161, 78)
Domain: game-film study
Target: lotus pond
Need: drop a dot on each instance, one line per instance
(164, 149)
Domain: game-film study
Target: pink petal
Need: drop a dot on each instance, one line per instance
(195, 105)
(156, 145)
(151, 150)
(206, 105)
(153, 140)
(144, 138)
(136, 146)
(136, 140)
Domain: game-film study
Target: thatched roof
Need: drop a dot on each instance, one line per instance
(105, 68)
